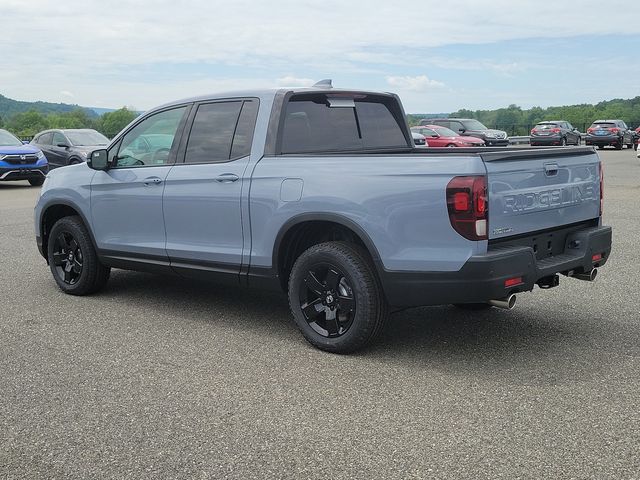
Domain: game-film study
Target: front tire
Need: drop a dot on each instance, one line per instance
(336, 298)
(36, 182)
(73, 260)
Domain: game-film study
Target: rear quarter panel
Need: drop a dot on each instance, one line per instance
(399, 201)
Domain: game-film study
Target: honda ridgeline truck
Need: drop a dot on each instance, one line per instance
(320, 192)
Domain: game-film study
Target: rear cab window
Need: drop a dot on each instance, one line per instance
(342, 122)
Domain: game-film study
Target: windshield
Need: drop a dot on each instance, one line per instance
(603, 125)
(8, 140)
(546, 125)
(89, 137)
(473, 125)
(445, 132)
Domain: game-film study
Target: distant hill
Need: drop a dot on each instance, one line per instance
(101, 111)
(9, 107)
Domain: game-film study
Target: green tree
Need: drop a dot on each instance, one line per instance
(112, 122)
(28, 123)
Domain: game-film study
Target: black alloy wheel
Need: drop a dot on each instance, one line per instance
(327, 301)
(67, 258)
(336, 297)
(73, 259)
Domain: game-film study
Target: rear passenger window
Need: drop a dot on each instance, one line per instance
(212, 132)
(44, 139)
(244, 131)
(323, 123)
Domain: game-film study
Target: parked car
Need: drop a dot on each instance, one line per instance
(21, 162)
(609, 133)
(68, 146)
(419, 140)
(285, 189)
(443, 137)
(557, 132)
(471, 128)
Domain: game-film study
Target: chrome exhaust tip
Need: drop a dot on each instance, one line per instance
(586, 276)
(507, 302)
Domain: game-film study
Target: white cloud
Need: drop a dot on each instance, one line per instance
(292, 40)
(418, 83)
(291, 81)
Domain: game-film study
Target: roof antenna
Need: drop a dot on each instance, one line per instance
(326, 83)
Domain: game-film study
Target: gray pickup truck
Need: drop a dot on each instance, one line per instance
(320, 192)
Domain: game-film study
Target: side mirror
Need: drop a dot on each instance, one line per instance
(461, 130)
(435, 135)
(62, 145)
(98, 159)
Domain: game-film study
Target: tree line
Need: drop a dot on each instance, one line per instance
(517, 121)
(27, 124)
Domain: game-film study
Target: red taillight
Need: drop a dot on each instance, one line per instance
(533, 131)
(555, 130)
(597, 257)
(614, 130)
(601, 187)
(512, 282)
(589, 130)
(468, 207)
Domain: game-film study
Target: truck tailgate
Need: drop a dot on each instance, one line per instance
(541, 189)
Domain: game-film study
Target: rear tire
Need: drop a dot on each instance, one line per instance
(451, 145)
(36, 182)
(619, 145)
(336, 298)
(73, 260)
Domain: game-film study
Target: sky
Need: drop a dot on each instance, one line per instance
(438, 56)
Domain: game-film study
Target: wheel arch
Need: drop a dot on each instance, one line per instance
(53, 212)
(305, 230)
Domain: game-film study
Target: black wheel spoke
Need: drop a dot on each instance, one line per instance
(332, 279)
(67, 275)
(62, 242)
(310, 311)
(314, 284)
(73, 245)
(331, 323)
(346, 304)
(58, 258)
(77, 266)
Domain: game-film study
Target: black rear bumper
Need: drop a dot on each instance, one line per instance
(483, 277)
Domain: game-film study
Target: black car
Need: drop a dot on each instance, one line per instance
(609, 132)
(472, 128)
(69, 146)
(556, 132)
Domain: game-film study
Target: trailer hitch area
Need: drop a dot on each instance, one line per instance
(549, 282)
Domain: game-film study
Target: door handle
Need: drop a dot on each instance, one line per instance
(152, 181)
(227, 178)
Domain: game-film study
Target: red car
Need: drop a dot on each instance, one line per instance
(438, 136)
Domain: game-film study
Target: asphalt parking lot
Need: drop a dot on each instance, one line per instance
(159, 377)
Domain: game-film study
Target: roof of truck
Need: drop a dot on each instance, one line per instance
(267, 93)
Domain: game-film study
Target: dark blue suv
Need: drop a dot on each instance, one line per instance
(21, 162)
